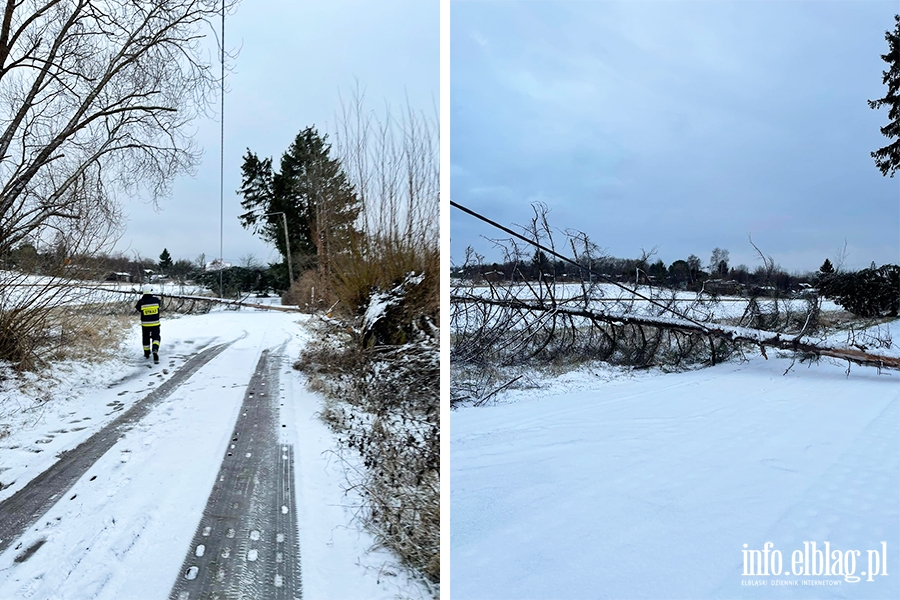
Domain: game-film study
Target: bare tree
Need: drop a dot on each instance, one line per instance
(840, 257)
(249, 261)
(95, 99)
(718, 262)
(393, 164)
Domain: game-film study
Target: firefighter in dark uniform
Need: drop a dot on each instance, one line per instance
(149, 306)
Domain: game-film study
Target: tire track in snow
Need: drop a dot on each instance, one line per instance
(21, 510)
(247, 545)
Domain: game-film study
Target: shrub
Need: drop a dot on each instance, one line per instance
(312, 292)
(873, 292)
(377, 263)
(384, 405)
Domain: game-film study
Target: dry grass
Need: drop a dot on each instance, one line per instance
(379, 264)
(33, 339)
(93, 338)
(36, 335)
(383, 382)
(312, 292)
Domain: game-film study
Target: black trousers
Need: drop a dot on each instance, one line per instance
(148, 334)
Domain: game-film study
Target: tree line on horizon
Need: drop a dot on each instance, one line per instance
(870, 292)
(689, 273)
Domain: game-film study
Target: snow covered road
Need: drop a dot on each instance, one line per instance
(654, 486)
(123, 528)
(246, 544)
(23, 508)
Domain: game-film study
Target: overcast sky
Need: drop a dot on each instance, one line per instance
(682, 125)
(295, 58)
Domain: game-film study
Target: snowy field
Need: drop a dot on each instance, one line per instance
(123, 530)
(17, 289)
(601, 484)
(614, 299)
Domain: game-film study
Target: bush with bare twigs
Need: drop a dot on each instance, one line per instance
(383, 404)
(377, 360)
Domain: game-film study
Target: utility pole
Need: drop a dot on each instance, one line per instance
(287, 244)
(222, 163)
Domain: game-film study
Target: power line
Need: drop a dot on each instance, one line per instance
(493, 223)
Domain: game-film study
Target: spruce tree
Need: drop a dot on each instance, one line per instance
(165, 261)
(826, 268)
(887, 159)
(311, 189)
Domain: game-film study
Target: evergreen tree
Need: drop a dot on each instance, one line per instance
(887, 159)
(165, 261)
(182, 269)
(827, 268)
(872, 292)
(679, 272)
(313, 192)
(540, 264)
(658, 270)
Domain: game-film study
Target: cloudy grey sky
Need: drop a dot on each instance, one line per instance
(682, 125)
(295, 59)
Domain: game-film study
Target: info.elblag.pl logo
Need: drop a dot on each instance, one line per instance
(815, 561)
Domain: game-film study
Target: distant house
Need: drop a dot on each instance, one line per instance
(721, 287)
(764, 291)
(120, 277)
(217, 264)
(806, 291)
(495, 276)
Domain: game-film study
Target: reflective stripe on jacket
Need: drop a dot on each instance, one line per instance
(149, 307)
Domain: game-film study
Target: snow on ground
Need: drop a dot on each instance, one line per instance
(620, 299)
(650, 486)
(22, 289)
(125, 527)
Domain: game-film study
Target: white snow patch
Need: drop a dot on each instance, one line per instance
(132, 522)
(656, 482)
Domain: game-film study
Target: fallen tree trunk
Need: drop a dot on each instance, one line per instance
(737, 335)
(210, 299)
